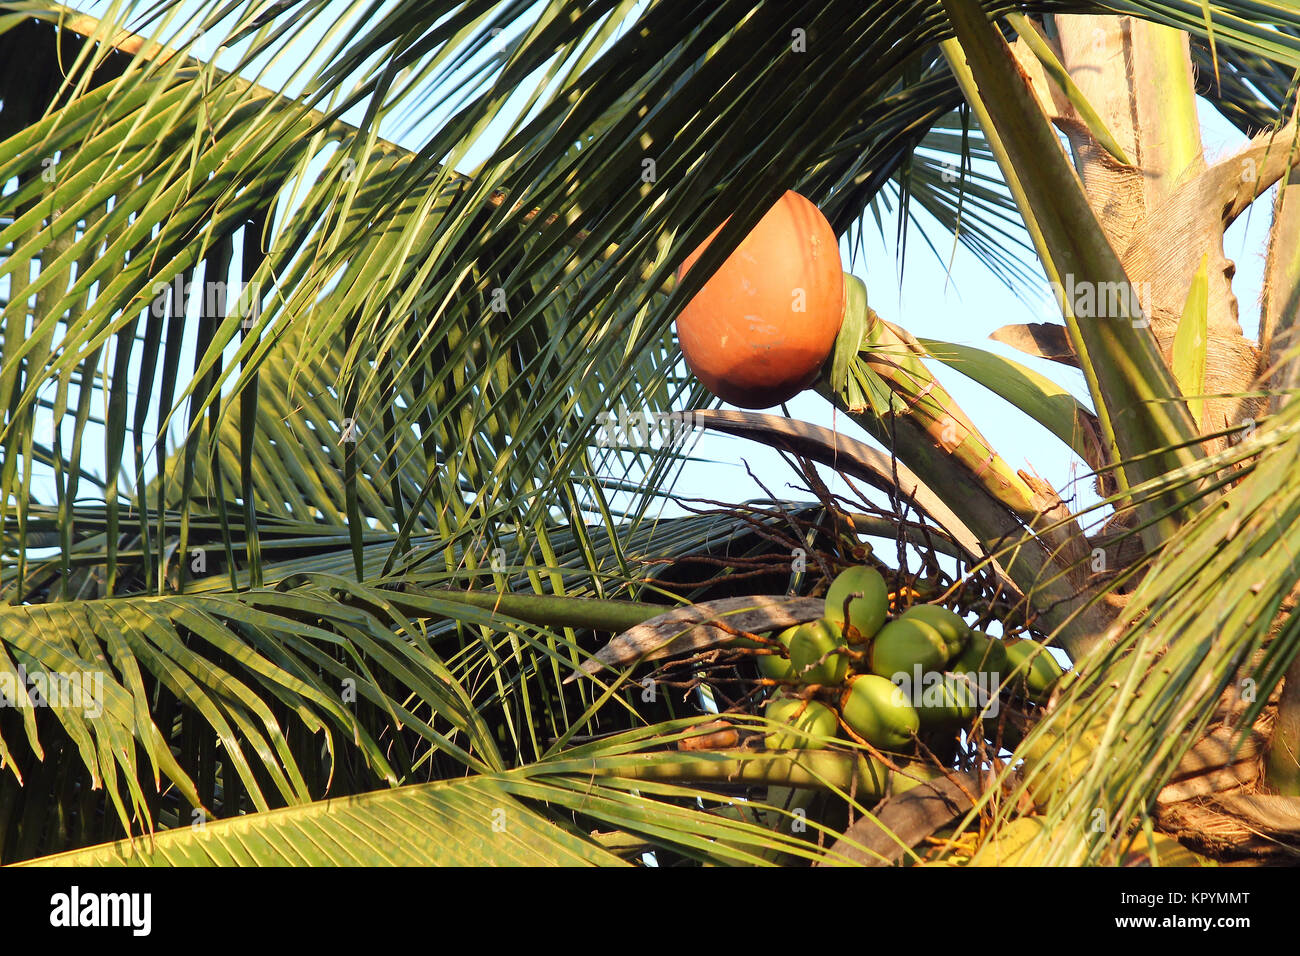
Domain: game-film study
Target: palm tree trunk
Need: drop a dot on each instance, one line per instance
(1279, 320)
(1138, 77)
(1162, 209)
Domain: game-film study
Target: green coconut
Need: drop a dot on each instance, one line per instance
(904, 643)
(1042, 672)
(954, 631)
(868, 603)
(775, 666)
(947, 700)
(983, 655)
(879, 712)
(809, 644)
(804, 721)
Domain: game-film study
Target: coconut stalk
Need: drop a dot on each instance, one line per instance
(935, 438)
(551, 610)
(865, 777)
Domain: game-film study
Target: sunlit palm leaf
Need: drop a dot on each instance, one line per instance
(471, 822)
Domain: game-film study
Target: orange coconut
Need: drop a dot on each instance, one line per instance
(762, 327)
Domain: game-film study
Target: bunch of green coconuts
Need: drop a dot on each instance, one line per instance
(855, 653)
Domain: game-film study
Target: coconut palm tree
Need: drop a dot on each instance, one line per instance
(307, 488)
